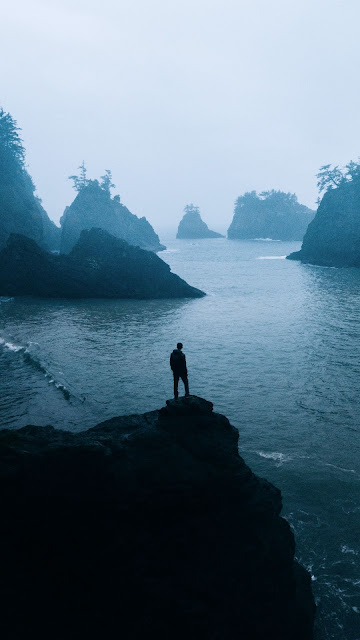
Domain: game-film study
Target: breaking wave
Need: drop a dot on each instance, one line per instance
(32, 359)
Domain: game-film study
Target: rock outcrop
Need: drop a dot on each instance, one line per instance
(333, 237)
(20, 210)
(271, 214)
(99, 266)
(193, 227)
(145, 526)
(94, 207)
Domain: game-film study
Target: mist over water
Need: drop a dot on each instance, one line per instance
(275, 345)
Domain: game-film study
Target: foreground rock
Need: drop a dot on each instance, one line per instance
(99, 266)
(271, 214)
(193, 227)
(333, 237)
(146, 526)
(94, 207)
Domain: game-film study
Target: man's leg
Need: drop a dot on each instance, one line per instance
(176, 385)
(184, 378)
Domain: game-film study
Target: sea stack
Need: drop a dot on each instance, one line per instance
(192, 227)
(333, 237)
(94, 207)
(271, 214)
(146, 526)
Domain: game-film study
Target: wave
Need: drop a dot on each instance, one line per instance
(271, 258)
(346, 549)
(4, 299)
(274, 455)
(328, 464)
(267, 240)
(31, 359)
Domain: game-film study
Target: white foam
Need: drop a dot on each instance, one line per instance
(12, 347)
(274, 455)
(266, 240)
(328, 464)
(271, 258)
(346, 549)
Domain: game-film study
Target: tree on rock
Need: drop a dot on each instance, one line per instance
(106, 181)
(81, 181)
(10, 141)
(191, 208)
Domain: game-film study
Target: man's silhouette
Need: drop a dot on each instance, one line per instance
(178, 366)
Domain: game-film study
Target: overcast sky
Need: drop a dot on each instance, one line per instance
(184, 100)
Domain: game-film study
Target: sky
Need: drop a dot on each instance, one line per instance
(184, 101)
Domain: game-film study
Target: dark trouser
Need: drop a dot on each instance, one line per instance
(184, 378)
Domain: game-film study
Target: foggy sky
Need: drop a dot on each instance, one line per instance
(185, 101)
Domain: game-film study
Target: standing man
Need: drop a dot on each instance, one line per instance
(178, 366)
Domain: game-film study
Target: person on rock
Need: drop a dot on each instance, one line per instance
(178, 367)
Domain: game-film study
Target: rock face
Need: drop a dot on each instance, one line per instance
(193, 227)
(94, 207)
(99, 266)
(146, 526)
(333, 237)
(20, 210)
(271, 214)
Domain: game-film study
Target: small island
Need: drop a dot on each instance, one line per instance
(99, 266)
(333, 237)
(94, 206)
(192, 227)
(272, 215)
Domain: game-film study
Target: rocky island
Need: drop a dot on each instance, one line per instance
(192, 227)
(20, 210)
(146, 526)
(98, 266)
(271, 214)
(333, 237)
(94, 207)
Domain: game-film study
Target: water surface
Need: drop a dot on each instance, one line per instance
(275, 345)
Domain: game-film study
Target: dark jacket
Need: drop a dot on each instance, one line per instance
(178, 362)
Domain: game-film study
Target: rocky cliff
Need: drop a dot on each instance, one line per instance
(146, 526)
(193, 227)
(271, 214)
(333, 237)
(99, 266)
(20, 210)
(94, 207)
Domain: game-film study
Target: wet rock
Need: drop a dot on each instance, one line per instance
(145, 526)
(99, 266)
(93, 207)
(193, 227)
(333, 237)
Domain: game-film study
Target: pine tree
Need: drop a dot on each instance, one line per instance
(81, 181)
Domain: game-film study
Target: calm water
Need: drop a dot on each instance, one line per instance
(275, 345)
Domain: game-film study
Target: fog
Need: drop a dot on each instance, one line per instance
(192, 101)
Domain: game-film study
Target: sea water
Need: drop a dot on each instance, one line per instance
(275, 345)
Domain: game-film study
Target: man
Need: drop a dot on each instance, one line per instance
(178, 366)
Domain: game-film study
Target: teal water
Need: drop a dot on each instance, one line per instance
(275, 345)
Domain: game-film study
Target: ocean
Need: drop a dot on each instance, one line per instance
(275, 345)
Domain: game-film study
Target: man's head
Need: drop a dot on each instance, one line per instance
(179, 345)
